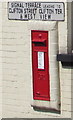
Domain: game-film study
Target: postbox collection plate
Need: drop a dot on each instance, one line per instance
(41, 60)
(40, 65)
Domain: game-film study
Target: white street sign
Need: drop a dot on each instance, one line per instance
(45, 11)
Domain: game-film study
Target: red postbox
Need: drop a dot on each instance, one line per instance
(40, 65)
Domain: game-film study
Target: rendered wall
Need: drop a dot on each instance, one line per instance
(17, 72)
(0, 60)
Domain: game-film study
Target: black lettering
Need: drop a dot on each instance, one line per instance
(24, 10)
(41, 16)
(58, 6)
(26, 4)
(17, 5)
(21, 5)
(32, 11)
(29, 16)
(38, 5)
(11, 4)
(34, 16)
(21, 16)
(25, 15)
(10, 10)
(20, 10)
(45, 16)
(29, 10)
(50, 11)
(58, 11)
(49, 16)
(33, 4)
(14, 10)
(41, 11)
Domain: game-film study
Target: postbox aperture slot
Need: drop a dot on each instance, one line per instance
(40, 44)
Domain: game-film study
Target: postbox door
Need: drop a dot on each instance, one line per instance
(40, 65)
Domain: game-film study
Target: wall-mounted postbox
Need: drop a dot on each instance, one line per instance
(40, 65)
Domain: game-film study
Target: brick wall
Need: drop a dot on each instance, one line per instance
(17, 73)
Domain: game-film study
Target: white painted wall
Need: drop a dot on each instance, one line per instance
(51, 27)
(0, 60)
(17, 72)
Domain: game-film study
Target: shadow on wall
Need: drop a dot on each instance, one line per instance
(46, 110)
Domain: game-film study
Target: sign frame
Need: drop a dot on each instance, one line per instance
(37, 19)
